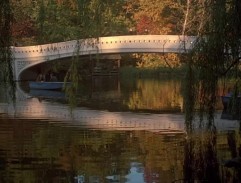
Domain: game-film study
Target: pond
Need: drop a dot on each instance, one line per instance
(129, 131)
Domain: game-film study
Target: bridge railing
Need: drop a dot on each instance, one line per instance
(29, 56)
(153, 42)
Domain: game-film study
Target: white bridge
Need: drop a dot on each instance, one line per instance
(28, 56)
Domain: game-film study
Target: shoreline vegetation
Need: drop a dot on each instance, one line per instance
(132, 71)
(128, 71)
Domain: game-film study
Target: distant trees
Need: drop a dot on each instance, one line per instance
(59, 20)
(159, 17)
(23, 20)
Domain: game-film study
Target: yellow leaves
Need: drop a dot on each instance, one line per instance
(156, 61)
(155, 95)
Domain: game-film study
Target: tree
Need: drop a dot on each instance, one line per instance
(158, 16)
(23, 24)
(216, 55)
(6, 72)
(61, 21)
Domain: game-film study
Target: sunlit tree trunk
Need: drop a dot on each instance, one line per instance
(186, 18)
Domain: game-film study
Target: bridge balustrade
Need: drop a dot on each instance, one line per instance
(25, 57)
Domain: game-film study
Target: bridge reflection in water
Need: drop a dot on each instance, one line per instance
(32, 108)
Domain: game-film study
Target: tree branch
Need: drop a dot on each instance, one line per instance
(230, 66)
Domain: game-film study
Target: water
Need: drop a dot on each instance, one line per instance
(130, 132)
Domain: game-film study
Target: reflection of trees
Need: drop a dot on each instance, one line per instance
(156, 95)
(162, 154)
(200, 158)
(41, 151)
(233, 163)
(208, 156)
(35, 151)
(84, 152)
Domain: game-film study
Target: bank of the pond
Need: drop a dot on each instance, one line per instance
(127, 72)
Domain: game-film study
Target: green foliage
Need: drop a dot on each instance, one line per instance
(52, 21)
(61, 21)
(73, 76)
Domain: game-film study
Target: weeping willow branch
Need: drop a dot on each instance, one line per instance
(235, 62)
(87, 10)
(190, 96)
(218, 30)
(73, 76)
(6, 72)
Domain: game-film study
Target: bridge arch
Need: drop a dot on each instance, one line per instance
(26, 57)
(32, 65)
